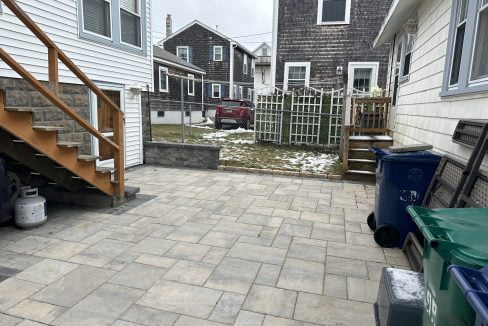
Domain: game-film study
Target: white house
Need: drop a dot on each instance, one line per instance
(109, 40)
(262, 75)
(438, 73)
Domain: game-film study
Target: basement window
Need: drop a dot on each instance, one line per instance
(333, 12)
(161, 114)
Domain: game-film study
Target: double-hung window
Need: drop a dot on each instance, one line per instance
(218, 53)
(216, 90)
(407, 56)
(183, 52)
(333, 12)
(116, 23)
(245, 64)
(191, 85)
(163, 80)
(297, 74)
(130, 22)
(97, 17)
(466, 68)
(253, 67)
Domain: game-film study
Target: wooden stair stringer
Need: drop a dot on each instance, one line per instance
(19, 124)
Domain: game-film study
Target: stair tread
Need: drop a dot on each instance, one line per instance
(101, 169)
(359, 150)
(88, 158)
(370, 138)
(18, 109)
(48, 128)
(69, 144)
(360, 160)
(361, 172)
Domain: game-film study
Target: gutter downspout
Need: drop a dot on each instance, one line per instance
(274, 45)
(231, 74)
(203, 94)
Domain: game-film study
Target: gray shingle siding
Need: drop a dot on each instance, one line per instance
(202, 41)
(301, 39)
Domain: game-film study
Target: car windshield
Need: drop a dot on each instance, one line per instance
(231, 104)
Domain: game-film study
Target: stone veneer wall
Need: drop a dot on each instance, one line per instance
(20, 94)
(182, 155)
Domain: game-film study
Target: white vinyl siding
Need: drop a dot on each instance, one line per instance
(101, 62)
(422, 115)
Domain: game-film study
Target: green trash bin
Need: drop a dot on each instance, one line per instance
(452, 236)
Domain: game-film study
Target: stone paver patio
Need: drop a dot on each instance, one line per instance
(200, 248)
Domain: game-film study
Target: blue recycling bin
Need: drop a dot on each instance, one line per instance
(402, 179)
(474, 285)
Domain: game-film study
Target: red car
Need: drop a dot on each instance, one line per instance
(239, 113)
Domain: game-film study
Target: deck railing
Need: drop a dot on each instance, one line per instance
(55, 54)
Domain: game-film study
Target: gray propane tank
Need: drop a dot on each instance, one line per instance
(30, 209)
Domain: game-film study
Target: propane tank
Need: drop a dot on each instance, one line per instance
(30, 209)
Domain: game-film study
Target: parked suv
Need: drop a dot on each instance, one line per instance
(233, 112)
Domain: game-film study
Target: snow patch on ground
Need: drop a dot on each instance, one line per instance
(312, 161)
(226, 133)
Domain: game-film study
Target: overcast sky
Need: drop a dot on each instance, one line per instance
(234, 17)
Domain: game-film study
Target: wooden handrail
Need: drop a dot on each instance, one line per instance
(52, 93)
(30, 24)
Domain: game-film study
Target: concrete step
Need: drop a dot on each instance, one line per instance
(104, 170)
(362, 165)
(88, 158)
(18, 109)
(361, 153)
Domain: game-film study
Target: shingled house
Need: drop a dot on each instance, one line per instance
(165, 102)
(229, 66)
(315, 43)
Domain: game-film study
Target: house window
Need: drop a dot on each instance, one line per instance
(187, 113)
(253, 67)
(183, 52)
(466, 69)
(241, 92)
(264, 52)
(333, 12)
(363, 76)
(119, 24)
(480, 62)
(249, 94)
(297, 74)
(163, 79)
(245, 65)
(407, 56)
(398, 65)
(130, 22)
(216, 91)
(97, 17)
(218, 53)
(191, 85)
(160, 114)
(236, 91)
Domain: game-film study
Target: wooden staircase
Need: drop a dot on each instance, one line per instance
(367, 128)
(37, 146)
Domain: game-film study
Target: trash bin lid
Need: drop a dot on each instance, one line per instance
(455, 232)
(474, 284)
(417, 156)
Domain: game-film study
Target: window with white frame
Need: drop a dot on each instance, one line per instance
(253, 67)
(297, 74)
(163, 80)
(236, 91)
(245, 64)
(466, 65)
(241, 92)
(264, 52)
(398, 65)
(216, 91)
(218, 53)
(97, 17)
(407, 56)
(334, 12)
(249, 94)
(183, 52)
(130, 22)
(362, 77)
(191, 85)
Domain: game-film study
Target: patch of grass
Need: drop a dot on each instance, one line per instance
(239, 149)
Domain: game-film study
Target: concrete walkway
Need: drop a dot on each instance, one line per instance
(200, 248)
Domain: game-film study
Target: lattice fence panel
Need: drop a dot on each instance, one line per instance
(268, 124)
(306, 115)
(335, 116)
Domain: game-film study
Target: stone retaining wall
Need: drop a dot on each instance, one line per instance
(182, 155)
